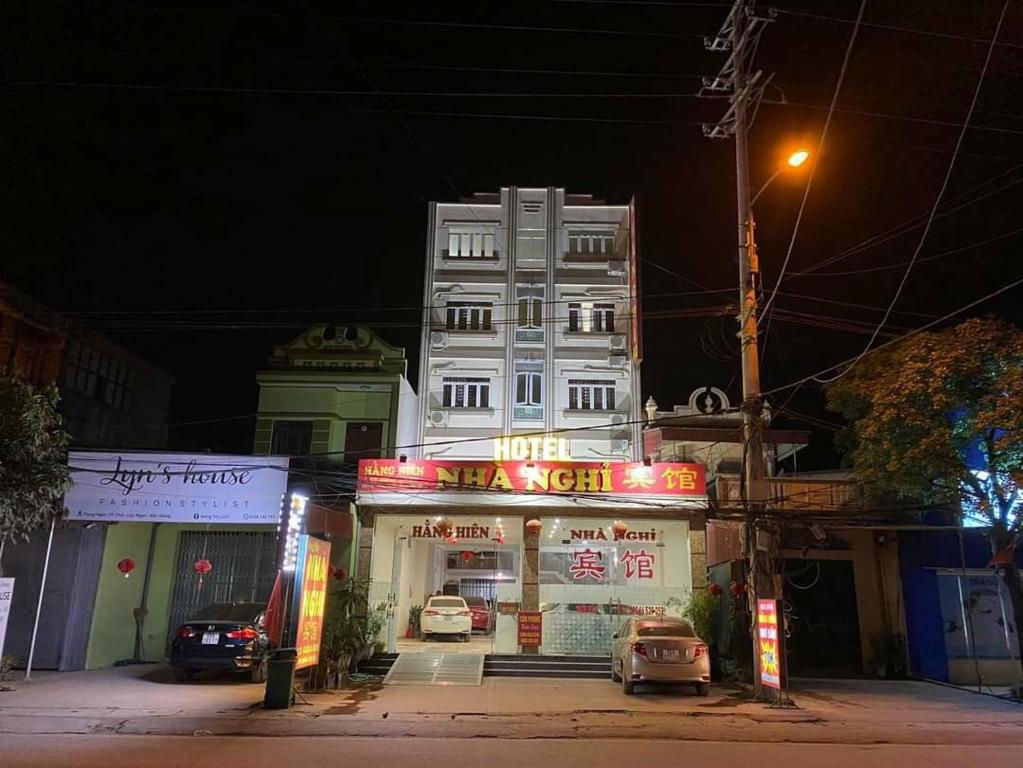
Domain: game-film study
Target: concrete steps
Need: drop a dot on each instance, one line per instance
(515, 665)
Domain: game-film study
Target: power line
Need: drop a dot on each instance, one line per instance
(810, 177)
(937, 199)
(895, 28)
(921, 329)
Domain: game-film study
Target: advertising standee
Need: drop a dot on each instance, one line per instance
(310, 599)
(6, 596)
(769, 644)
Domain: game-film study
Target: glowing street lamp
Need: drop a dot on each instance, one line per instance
(794, 160)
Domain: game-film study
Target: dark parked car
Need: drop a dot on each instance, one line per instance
(482, 615)
(222, 636)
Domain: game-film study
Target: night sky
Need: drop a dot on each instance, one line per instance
(202, 180)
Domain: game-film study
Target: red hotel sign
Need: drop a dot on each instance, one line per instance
(530, 628)
(540, 477)
(769, 644)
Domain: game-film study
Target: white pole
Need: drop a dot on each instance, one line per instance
(2, 543)
(39, 605)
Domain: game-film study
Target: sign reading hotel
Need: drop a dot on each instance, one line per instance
(311, 586)
(175, 487)
(539, 477)
(769, 643)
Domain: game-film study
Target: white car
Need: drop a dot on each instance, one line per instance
(446, 615)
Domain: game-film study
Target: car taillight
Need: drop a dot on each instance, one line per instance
(430, 612)
(698, 651)
(245, 633)
(639, 648)
(186, 632)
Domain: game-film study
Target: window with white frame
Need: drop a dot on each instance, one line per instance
(600, 244)
(528, 389)
(466, 392)
(471, 244)
(106, 378)
(591, 317)
(529, 326)
(468, 316)
(591, 395)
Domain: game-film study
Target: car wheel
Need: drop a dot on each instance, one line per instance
(615, 677)
(628, 687)
(258, 673)
(182, 674)
(703, 689)
(467, 637)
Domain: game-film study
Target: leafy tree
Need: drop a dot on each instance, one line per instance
(33, 457)
(938, 418)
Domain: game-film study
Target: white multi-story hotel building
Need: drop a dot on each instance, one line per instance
(530, 312)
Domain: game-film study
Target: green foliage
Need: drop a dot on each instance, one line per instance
(701, 612)
(415, 615)
(915, 407)
(33, 457)
(350, 629)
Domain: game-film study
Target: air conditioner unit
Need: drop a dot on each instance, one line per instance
(438, 339)
(438, 418)
(617, 342)
(616, 269)
(616, 361)
(620, 446)
(618, 418)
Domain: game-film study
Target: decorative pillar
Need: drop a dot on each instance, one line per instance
(364, 554)
(530, 574)
(698, 551)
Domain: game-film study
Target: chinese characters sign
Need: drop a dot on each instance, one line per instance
(541, 477)
(769, 643)
(311, 583)
(530, 628)
(589, 565)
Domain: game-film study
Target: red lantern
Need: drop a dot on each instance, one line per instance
(444, 526)
(126, 566)
(202, 567)
(735, 588)
(340, 574)
(466, 556)
(620, 529)
(533, 525)
(714, 589)
(500, 539)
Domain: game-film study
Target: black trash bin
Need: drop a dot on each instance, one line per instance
(280, 679)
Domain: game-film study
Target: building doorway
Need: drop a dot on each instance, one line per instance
(824, 626)
(363, 440)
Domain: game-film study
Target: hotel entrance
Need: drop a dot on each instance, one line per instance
(476, 558)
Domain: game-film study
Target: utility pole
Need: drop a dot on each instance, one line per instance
(738, 36)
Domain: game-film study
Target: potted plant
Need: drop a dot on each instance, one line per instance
(350, 629)
(415, 613)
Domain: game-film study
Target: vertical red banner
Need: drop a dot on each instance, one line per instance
(530, 628)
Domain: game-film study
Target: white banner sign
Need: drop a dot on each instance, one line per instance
(175, 487)
(6, 596)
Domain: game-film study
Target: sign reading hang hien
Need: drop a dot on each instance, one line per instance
(175, 487)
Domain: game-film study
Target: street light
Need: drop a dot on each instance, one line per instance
(794, 160)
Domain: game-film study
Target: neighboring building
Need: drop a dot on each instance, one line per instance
(112, 398)
(337, 392)
(332, 396)
(31, 336)
(531, 324)
(527, 490)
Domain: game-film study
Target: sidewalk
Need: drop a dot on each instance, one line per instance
(145, 700)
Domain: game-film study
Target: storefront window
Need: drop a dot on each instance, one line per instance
(475, 557)
(591, 578)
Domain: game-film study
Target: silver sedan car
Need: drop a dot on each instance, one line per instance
(659, 651)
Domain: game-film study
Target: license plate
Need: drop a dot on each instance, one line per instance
(449, 618)
(210, 638)
(670, 654)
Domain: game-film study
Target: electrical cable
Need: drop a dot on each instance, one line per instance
(937, 199)
(765, 312)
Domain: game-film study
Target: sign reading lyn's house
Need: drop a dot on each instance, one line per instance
(175, 487)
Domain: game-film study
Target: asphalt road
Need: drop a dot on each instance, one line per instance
(100, 751)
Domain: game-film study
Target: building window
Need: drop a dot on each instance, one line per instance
(468, 316)
(588, 317)
(591, 395)
(466, 392)
(292, 438)
(471, 245)
(528, 390)
(529, 326)
(105, 378)
(592, 244)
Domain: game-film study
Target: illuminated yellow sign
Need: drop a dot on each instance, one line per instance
(312, 601)
(531, 449)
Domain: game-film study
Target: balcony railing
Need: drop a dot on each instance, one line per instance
(797, 493)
